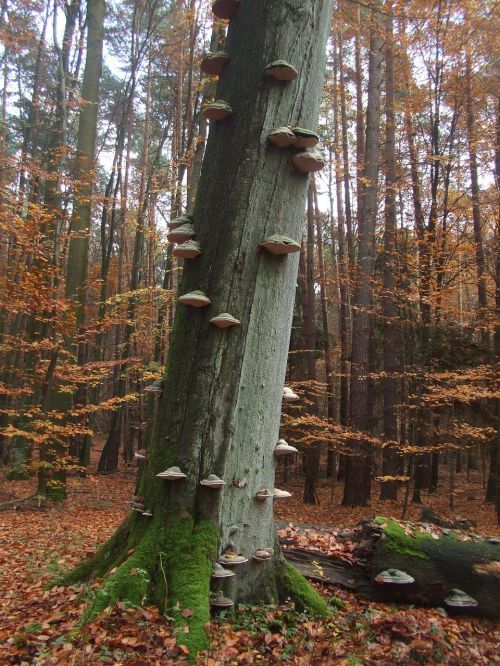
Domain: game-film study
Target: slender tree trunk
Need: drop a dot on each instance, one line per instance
(391, 465)
(358, 466)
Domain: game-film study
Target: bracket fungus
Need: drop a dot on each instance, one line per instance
(224, 320)
(281, 494)
(277, 244)
(304, 138)
(220, 601)
(283, 137)
(188, 250)
(181, 234)
(137, 506)
(460, 599)
(148, 514)
(213, 481)
(195, 298)
(217, 110)
(263, 554)
(289, 395)
(155, 387)
(493, 541)
(224, 9)
(172, 474)
(284, 449)
(141, 454)
(263, 494)
(309, 161)
(219, 572)
(394, 577)
(232, 559)
(281, 70)
(177, 222)
(213, 63)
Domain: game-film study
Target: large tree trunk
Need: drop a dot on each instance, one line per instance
(220, 408)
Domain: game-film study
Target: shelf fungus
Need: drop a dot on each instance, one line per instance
(172, 474)
(141, 454)
(213, 63)
(155, 387)
(283, 137)
(181, 234)
(263, 494)
(147, 514)
(281, 494)
(278, 244)
(284, 449)
(281, 70)
(217, 110)
(177, 222)
(394, 577)
(232, 559)
(309, 161)
(219, 572)
(190, 249)
(195, 298)
(224, 9)
(263, 554)
(304, 138)
(224, 320)
(213, 481)
(289, 395)
(220, 601)
(460, 599)
(136, 506)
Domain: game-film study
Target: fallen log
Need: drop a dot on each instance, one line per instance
(436, 562)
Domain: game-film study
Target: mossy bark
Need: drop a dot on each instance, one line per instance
(221, 404)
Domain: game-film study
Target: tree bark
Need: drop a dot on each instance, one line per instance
(220, 407)
(358, 465)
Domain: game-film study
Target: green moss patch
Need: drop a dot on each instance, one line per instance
(399, 541)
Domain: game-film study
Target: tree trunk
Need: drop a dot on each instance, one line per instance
(52, 480)
(220, 407)
(391, 465)
(358, 473)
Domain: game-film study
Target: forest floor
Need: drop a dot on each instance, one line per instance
(39, 625)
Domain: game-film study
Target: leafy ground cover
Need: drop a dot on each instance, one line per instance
(41, 626)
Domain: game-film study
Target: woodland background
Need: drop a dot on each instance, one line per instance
(395, 359)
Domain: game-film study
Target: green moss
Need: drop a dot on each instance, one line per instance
(132, 579)
(402, 543)
(304, 595)
(191, 551)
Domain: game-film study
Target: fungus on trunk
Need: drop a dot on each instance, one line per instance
(309, 161)
(279, 244)
(188, 250)
(155, 387)
(284, 449)
(181, 234)
(305, 138)
(180, 221)
(224, 9)
(283, 137)
(196, 298)
(221, 403)
(217, 111)
(281, 70)
(225, 320)
(213, 63)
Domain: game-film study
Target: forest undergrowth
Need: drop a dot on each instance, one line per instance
(40, 625)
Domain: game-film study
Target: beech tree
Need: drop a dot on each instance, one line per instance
(219, 411)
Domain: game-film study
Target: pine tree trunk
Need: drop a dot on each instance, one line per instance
(357, 481)
(391, 465)
(220, 408)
